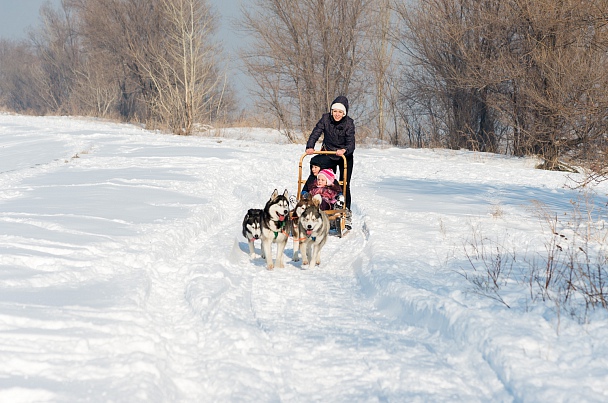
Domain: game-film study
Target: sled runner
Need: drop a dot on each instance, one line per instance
(337, 216)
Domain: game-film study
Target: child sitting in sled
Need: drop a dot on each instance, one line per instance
(328, 188)
(317, 164)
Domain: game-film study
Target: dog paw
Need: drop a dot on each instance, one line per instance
(252, 256)
(296, 257)
(270, 267)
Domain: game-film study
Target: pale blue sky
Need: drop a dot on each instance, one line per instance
(16, 16)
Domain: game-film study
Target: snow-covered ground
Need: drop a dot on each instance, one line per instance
(124, 276)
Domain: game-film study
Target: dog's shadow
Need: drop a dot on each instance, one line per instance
(258, 261)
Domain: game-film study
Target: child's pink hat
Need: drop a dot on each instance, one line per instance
(329, 175)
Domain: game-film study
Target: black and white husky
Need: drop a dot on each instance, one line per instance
(295, 215)
(252, 228)
(275, 228)
(314, 231)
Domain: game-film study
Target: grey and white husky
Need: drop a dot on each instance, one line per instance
(275, 228)
(252, 228)
(295, 215)
(314, 231)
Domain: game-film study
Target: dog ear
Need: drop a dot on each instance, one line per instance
(316, 200)
(274, 194)
(286, 194)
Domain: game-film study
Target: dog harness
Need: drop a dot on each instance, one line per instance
(280, 226)
(295, 219)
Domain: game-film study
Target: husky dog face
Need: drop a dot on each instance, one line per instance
(301, 206)
(252, 228)
(311, 220)
(252, 224)
(278, 207)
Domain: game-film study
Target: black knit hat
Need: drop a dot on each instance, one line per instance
(321, 160)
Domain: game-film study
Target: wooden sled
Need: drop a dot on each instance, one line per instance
(337, 217)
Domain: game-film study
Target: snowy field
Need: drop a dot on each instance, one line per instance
(124, 276)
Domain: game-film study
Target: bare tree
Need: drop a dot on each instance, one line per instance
(162, 56)
(17, 64)
(556, 61)
(118, 32)
(303, 54)
(447, 51)
(381, 62)
(184, 66)
(533, 69)
(148, 60)
(56, 47)
(95, 91)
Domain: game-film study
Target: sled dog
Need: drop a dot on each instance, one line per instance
(314, 227)
(275, 227)
(252, 228)
(295, 215)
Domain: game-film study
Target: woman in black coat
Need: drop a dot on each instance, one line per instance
(338, 132)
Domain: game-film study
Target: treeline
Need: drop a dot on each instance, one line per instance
(519, 77)
(151, 61)
(510, 76)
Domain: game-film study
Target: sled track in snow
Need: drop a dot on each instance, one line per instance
(329, 340)
(303, 312)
